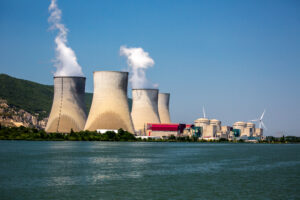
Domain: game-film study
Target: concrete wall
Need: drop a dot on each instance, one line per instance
(163, 108)
(68, 108)
(209, 131)
(216, 123)
(225, 130)
(144, 108)
(162, 133)
(109, 109)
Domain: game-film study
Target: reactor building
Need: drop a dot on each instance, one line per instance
(247, 129)
(68, 107)
(109, 109)
(212, 128)
(204, 124)
(144, 109)
(163, 108)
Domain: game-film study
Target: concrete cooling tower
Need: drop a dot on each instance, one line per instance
(110, 108)
(163, 108)
(68, 108)
(144, 108)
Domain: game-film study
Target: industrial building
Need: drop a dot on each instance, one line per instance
(163, 108)
(192, 131)
(68, 108)
(144, 109)
(225, 132)
(203, 123)
(210, 128)
(258, 132)
(243, 129)
(249, 131)
(110, 109)
(238, 128)
(205, 129)
(164, 130)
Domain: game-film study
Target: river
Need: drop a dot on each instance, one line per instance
(145, 170)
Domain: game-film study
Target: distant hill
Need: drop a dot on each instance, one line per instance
(30, 96)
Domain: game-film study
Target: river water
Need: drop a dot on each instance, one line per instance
(138, 170)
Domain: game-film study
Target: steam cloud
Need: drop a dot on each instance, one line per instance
(138, 61)
(65, 62)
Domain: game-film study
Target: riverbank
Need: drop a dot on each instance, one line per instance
(23, 133)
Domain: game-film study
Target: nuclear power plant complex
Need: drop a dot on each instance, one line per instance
(149, 116)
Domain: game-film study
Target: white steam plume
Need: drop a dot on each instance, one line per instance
(138, 61)
(65, 59)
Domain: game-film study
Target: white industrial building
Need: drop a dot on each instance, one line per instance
(211, 129)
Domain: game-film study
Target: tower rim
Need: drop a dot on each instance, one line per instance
(69, 77)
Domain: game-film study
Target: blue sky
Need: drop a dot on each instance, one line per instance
(234, 57)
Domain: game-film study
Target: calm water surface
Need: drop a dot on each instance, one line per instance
(121, 170)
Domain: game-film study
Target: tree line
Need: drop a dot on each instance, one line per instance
(23, 133)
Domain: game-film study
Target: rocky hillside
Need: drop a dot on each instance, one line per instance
(11, 116)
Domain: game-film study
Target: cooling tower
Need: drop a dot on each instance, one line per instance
(144, 108)
(163, 108)
(109, 108)
(68, 108)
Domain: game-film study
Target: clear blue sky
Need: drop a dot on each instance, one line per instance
(234, 57)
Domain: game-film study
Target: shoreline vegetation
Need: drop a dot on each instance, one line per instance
(32, 134)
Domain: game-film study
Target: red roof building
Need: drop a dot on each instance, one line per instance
(164, 130)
